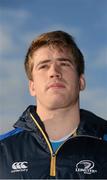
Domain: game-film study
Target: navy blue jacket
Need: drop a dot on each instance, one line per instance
(26, 152)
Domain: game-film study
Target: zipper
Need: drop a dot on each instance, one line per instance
(53, 155)
(53, 165)
(93, 137)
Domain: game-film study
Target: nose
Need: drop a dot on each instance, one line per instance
(55, 72)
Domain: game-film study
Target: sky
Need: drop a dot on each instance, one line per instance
(21, 21)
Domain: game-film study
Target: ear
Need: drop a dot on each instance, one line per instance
(32, 88)
(82, 83)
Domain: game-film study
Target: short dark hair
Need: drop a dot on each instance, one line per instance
(59, 39)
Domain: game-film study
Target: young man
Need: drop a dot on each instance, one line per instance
(55, 139)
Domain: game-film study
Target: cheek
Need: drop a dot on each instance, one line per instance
(39, 85)
(72, 80)
(69, 76)
(41, 79)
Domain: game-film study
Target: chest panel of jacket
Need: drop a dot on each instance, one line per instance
(79, 157)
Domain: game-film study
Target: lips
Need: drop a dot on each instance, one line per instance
(56, 85)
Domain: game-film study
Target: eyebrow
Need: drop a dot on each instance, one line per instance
(57, 59)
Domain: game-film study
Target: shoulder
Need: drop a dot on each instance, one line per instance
(92, 117)
(94, 122)
(10, 133)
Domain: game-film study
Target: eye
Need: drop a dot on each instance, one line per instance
(43, 66)
(65, 64)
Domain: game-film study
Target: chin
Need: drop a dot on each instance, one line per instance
(56, 105)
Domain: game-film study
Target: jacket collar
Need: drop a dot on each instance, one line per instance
(26, 122)
(90, 124)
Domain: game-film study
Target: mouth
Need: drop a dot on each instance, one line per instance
(56, 86)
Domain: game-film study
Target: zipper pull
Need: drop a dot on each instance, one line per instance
(53, 165)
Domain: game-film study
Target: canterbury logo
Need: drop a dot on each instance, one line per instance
(19, 166)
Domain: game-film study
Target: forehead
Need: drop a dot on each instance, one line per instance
(51, 53)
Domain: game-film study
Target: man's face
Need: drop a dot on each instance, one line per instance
(55, 82)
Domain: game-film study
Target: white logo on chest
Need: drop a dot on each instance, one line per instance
(85, 166)
(19, 166)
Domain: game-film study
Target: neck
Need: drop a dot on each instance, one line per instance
(60, 122)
